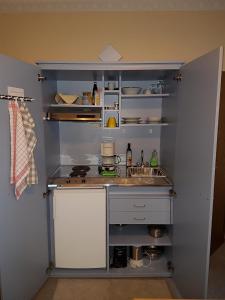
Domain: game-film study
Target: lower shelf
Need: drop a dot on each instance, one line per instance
(136, 235)
(157, 268)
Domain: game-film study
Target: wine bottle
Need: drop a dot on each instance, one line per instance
(94, 93)
(129, 156)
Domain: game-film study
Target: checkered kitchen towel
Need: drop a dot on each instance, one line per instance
(23, 141)
(28, 124)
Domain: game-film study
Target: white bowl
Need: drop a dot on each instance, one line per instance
(154, 119)
(131, 90)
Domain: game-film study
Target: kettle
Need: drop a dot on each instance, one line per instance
(111, 122)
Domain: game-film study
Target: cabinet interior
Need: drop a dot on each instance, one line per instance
(70, 143)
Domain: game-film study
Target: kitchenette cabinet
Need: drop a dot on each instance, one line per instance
(184, 135)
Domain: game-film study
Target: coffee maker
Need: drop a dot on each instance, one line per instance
(109, 159)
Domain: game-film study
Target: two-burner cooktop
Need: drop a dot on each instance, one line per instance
(71, 171)
(79, 171)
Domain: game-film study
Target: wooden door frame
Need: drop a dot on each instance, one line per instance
(218, 219)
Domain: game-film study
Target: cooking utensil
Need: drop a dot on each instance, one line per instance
(153, 252)
(156, 231)
(136, 253)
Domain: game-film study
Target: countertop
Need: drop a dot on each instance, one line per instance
(61, 179)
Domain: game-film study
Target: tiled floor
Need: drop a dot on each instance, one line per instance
(103, 289)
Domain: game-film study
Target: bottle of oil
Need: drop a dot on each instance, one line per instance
(94, 93)
(128, 156)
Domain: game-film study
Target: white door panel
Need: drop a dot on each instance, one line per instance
(80, 228)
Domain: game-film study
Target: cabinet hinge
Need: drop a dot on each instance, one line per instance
(178, 77)
(172, 193)
(46, 116)
(46, 194)
(170, 266)
(40, 77)
(50, 267)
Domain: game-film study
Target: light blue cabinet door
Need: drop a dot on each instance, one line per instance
(23, 223)
(198, 101)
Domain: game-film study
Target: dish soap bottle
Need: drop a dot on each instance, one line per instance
(128, 156)
(154, 159)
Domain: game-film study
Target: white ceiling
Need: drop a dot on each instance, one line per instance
(109, 5)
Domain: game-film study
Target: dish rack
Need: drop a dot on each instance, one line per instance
(146, 172)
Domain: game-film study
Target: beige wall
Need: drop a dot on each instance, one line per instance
(137, 36)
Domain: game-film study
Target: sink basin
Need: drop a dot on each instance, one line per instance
(146, 172)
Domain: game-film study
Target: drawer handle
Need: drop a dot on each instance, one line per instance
(139, 219)
(139, 205)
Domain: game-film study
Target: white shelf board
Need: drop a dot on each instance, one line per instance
(143, 124)
(111, 128)
(111, 110)
(155, 269)
(144, 96)
(74, 105)
(135, 235)
(111, 92)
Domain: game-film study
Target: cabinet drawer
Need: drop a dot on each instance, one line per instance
(148, 217)
(139, 203)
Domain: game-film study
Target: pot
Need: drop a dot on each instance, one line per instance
(156, 231)
(136, 253)
(153, 252)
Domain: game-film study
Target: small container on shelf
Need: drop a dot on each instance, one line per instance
(112, 85)
(87, 96)
(116, 105)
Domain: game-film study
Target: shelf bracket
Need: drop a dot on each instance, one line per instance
(46, 194)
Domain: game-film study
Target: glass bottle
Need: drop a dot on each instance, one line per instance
(154, 159)
(94, 92)
(128, 156)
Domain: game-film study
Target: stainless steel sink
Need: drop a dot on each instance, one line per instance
(146, 172)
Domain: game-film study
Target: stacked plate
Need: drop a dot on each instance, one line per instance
(131, 120)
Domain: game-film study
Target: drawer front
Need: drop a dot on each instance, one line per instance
(139, 203)
(160, 217)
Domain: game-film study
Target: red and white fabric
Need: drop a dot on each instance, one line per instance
(29, 125)
(23, 141)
